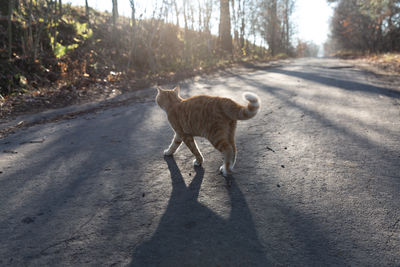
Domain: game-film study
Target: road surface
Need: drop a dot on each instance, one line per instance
(316, 183)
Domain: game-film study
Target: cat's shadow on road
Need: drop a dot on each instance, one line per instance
(191, 234)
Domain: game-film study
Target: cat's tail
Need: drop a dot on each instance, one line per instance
(249, 111)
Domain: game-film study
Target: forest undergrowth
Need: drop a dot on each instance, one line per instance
(80, 60)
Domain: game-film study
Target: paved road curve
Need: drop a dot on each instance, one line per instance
(317, 180)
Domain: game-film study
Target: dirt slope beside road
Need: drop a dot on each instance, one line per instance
(316, 183)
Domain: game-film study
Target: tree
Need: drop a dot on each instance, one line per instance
(242, 23)
(133, 11)
(175, 4)
(133, 33)
(272, 28)
(208, 7)
(238, 24)
(10, 13)
(87, 11)
(306, 49)
(366, 25)
(269, 24)
(40, 29)
(225, 38)
(273, 22)
(114, 11)
(287, 10)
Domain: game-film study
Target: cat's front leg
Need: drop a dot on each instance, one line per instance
(176, 142)
(191, 144)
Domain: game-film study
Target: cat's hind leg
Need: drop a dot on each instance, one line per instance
(229, 153)
(231, 137)
(229, 160)
(191, 144)
(232, 164)
(176, 142)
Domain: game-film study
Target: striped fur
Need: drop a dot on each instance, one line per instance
(211, 117)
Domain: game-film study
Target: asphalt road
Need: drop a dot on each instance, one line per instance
(316, 183)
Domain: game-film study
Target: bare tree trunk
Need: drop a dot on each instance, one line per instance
(39, 33)
(152, 59)
(176, 12)
(30, 22)
(133, 17)
(273, 27)
(235, 18)
(288, 9)
(242, 26)
(87, 11)
(55, 23)
(52, 9)
(225, 37)
(10, 13)
(285, 25)
(132, 50)
(391, 8)
(185, 38)
(191, 16)
(200, 12)
(115, 11)
(207, 16)
(207, 26)
(184, 14)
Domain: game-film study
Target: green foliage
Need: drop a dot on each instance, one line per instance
(60, 50)
(82, 33)
(281, 56)
(82, 30)
(347, 54)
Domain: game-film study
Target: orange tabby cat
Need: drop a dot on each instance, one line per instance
(207, 116)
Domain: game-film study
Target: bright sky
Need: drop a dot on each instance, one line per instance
(311, 17)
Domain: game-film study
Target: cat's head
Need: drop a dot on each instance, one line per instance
(167, 98)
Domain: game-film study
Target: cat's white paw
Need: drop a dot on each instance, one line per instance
(223, 171)
(196, 163)
(167, 152)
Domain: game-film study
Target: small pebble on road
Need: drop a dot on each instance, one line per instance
(28, 220)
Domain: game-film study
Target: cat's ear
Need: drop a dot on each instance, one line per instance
(159, 89)
(177, 89)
